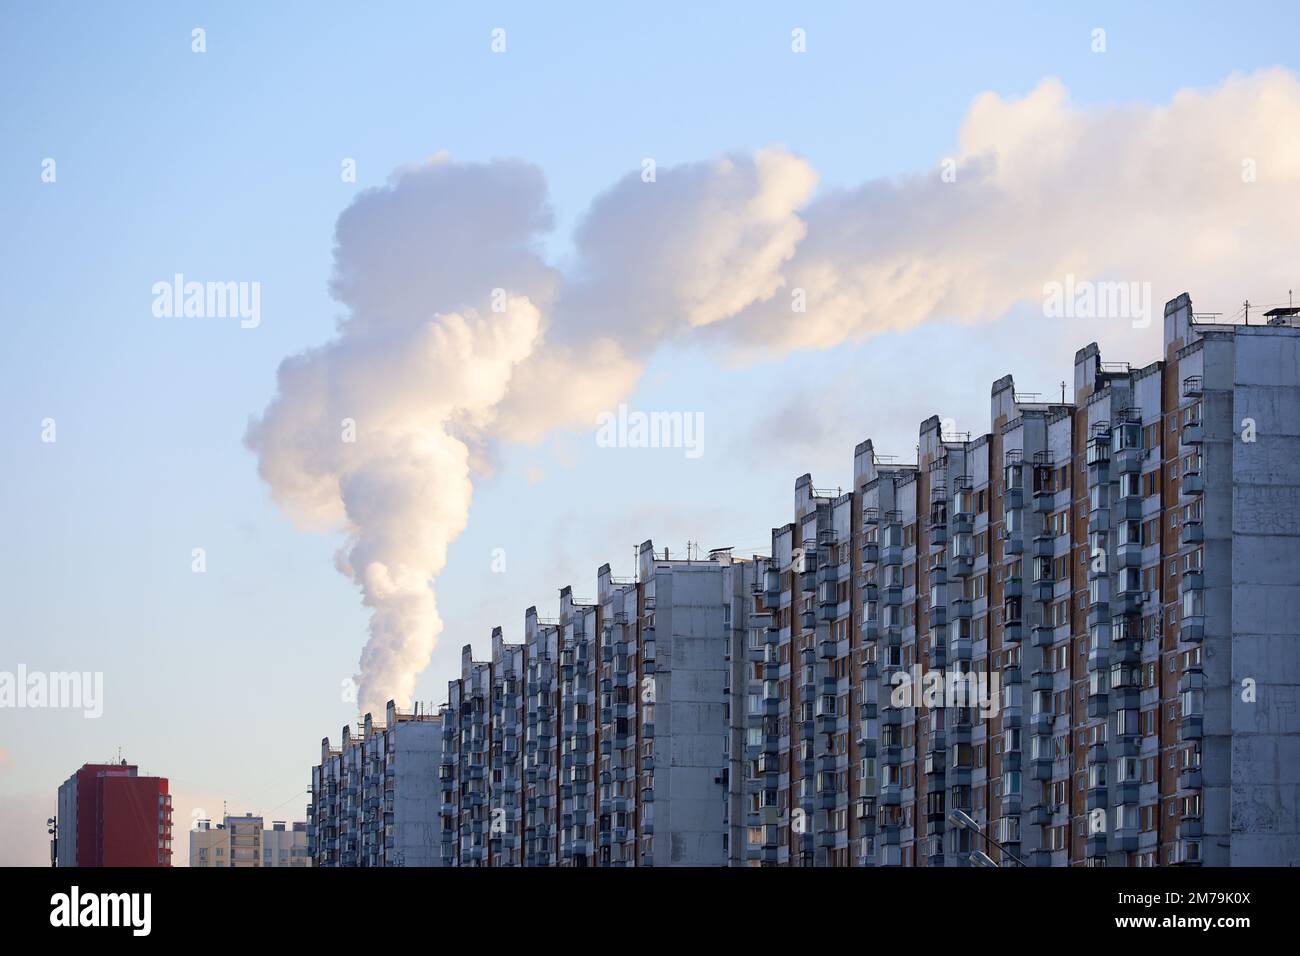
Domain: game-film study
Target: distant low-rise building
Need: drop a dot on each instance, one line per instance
(244, 841)
(285, 844)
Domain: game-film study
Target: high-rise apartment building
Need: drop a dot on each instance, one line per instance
(466, 721)
(1119, 575)
(1071, 641)
(375, 797)
(605, 737)
(109, 815)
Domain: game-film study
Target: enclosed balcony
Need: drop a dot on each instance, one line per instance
(1044, 588)
(962, 565)
(771, 594)
(1128, 508)
(1039, 815)
(1129, 460)
(1099, 599)
(1013, 629)
(938, 510)
(1013, 544)
(937, 657)
(1098, 702)
(1124, 840)
(959, 767)
(869, 670)
(937, 654)
(936, 761)
(1097, 457)
(1129, 596)
(1043, 636)
(1040, 725)
(1099, 520)
(938, 616)
(1191, 727)
(1125, 686)
(1044, 545)
(827, 611)
(959, 732)
(1128, 554)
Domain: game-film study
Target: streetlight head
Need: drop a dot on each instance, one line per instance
(979, 858)
(960, 818)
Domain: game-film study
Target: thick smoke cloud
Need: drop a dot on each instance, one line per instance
(374, 432)
(1197, 195)
(459, 334)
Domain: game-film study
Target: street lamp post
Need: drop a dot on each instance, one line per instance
(961, 818)
(52, 825)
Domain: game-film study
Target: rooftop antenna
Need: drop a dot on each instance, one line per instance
(1063, 391)
(1247, 304)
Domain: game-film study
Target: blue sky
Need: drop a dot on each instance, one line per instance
(227, 165)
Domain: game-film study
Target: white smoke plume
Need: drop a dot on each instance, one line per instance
(655, 260)
(1199, 195)
(459, 334)
(374, 432)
